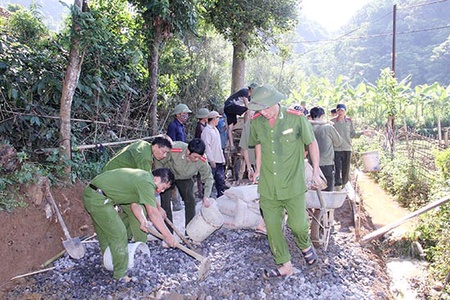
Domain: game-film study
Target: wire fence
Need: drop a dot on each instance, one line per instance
(420, 150)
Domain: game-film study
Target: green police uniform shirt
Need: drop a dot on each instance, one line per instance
(183, 169)
(347, 132)
(137, 155)
(282, 171)
(126, 186)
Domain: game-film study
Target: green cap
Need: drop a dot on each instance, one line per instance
(202, 113)
(264, 97)
(181, 108)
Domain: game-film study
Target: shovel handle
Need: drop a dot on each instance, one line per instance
(181, 247)
(182, 237)
(58, 214)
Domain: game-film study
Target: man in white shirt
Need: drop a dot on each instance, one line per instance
(214, 153)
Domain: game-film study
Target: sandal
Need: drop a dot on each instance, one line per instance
(310, 256)
(267, 274)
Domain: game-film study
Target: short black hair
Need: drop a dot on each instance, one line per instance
(333, 111)
(165, 175)
(197, 146)
(163, 141)
(316, 112)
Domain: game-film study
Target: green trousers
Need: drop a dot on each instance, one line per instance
(274, 212)
(132, 224)
(109, 228)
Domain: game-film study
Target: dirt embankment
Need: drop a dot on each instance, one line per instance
(32, 235)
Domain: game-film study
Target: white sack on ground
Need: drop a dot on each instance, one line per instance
(245, 193)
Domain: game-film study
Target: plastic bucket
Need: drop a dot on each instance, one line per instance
(204, 223)
(133, 249)
(371, 161)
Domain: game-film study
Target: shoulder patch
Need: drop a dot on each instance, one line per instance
(350, 119)
(203, 158)
(294, 112)
(176, 150)
(256, 115)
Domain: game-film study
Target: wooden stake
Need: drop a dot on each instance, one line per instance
(32, 273)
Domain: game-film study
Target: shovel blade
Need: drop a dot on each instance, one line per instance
(204, 269)
(74, 247)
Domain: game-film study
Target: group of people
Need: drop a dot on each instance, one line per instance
(334, 138)
(278, 138)
(274, 141)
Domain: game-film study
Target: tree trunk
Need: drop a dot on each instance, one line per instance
(68, 90)
(156, 46)
(238, 68)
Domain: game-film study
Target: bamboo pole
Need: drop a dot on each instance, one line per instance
(388, 227)
(83, 147)
(75, 120)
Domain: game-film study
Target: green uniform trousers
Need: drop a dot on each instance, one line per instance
(132, 224)
(274, 212)
(109, 228)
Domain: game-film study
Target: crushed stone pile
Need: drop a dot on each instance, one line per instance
(238, 257)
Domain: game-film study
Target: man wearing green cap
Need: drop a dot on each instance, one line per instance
(176, 130)
(279, 136)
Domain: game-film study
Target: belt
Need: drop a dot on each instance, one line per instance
(98, 190)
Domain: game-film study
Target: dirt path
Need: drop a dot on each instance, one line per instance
(382, 207)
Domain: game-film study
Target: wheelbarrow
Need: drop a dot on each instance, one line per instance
(321, 206)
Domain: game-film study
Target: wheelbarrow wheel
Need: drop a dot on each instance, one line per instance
(317, 229)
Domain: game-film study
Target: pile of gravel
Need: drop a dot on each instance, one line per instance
(344, 271)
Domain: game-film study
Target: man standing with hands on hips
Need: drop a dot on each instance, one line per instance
(279, 136)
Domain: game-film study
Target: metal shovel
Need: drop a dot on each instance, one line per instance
(205, 262)
(73, 246)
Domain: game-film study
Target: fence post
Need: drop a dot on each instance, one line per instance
(446, 136)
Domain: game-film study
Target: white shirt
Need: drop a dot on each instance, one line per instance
(211, 137)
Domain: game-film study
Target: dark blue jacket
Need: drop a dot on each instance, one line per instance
(176, 131)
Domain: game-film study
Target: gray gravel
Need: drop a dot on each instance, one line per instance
(345, 271)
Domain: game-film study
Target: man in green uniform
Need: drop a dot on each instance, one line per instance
(327, 138)
(139, 155)
(279, 136)
(125, 186)
(342, 154)
(186, 161)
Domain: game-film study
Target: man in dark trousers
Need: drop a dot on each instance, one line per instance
(235, 106)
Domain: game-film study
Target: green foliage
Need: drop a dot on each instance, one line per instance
(256, 23)
(400, 177)
(443, 162)
(434, 227)
(88, 164)
(10, 196)
(27, 25)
